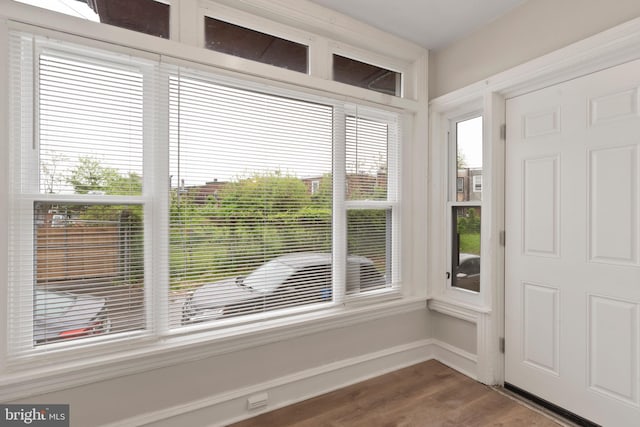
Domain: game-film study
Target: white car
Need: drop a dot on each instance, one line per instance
(288, 280)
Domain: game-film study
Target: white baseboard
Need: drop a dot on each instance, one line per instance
(455, 358)
(231, 407)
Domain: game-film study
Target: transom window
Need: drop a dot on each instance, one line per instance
(368, 76)
(257, 46)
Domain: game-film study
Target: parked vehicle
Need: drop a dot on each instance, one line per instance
(468, 272)
(288, 280)
(64, 315)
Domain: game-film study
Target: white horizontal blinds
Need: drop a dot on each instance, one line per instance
(367, 157)
(94, 258)
(21, 135)
(91, 123)
(77, 264)
(371, 166)
(250, 183)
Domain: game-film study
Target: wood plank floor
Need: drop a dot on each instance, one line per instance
(427, 394)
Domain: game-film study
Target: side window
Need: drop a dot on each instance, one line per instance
(465, 201)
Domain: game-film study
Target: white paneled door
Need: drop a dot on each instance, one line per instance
(573, 245)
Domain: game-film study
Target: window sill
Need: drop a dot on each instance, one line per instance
(457, 309)
(173, 350)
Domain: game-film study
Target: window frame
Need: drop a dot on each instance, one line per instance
(155, 223)
(26, 187)
(477, 183)
(392, 202)
(451, 180)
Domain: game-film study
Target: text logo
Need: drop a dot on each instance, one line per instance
(34, 415)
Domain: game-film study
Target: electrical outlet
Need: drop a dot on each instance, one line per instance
(257, 401)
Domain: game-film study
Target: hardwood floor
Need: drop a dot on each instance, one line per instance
(427, 394)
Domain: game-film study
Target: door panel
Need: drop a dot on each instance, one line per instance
(572, 297)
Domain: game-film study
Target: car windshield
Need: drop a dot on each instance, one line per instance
(268, 276)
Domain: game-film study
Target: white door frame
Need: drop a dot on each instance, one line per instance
(612, 47)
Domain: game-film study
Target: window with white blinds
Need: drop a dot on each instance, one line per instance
(77, 221)
(247, 233)
(147, 197)
(372, 188)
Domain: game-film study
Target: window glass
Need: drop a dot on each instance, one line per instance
(246, 43)
(242, 199)
(247, 226)
(366, 157)
(466, 201)
(369, 248)
(90, 127)
(466, 247)
(361, 74)
(77, 135)
(89, 270)
(469, 160)
(145, 16)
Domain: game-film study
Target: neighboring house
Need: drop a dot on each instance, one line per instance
(209, 192)
(469, 184)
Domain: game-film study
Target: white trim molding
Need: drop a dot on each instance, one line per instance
(230, 407)
(609, 48)
(53, 377)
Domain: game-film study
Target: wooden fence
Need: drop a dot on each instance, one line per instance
(77, 252)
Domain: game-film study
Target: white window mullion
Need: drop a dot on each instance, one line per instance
(156, 195)
(21, 277)
(23, 156)
(339, 205)
(394, 182)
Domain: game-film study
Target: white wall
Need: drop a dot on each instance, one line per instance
(529, 31)
(456, 332)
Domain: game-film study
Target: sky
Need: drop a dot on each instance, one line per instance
(68, 7)
(470, 142)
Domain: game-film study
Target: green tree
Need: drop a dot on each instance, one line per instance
(253, 219)
(268, 193)
(90, 176)
(323, 198)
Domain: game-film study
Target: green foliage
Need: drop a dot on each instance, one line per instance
(470, 243)
(469, 231)
(269, 193)
(324, 196)
(90, 176)
(254, 219)
(367, 234)
(470, 223)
